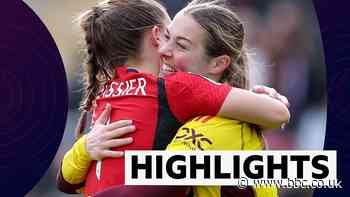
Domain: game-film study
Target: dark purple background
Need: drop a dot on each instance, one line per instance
(334, 22)
(34, 99)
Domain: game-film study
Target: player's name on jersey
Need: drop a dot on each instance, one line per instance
(135, 86)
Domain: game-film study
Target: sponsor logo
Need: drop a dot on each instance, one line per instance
(195, 138)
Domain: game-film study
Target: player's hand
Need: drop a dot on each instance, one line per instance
(103, 137)
(272, 93)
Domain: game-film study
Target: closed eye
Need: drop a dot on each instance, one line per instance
(167, 37)
(181, 46)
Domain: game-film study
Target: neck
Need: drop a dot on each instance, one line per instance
(145, 65)
(213, 77)
(148, 60)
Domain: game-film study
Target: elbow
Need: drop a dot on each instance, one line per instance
(66, 187)
(280, 116)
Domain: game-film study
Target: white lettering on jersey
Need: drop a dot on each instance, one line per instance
(120, 89)
(130, 87)
(141, 86)
(109, 92)
(126, 88)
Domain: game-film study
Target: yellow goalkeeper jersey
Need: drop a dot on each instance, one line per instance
(216, 133)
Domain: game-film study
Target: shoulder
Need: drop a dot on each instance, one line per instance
(213, 122)
(181, 77)
(191, 81)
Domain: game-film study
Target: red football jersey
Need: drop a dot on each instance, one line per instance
(158, 107)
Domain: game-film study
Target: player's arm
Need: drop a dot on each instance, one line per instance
(255, 108)
(93, 146)
(192, 95)
(74, 167)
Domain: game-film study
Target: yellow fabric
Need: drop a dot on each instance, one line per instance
(216, 133)
(266, 191)
(76, 162)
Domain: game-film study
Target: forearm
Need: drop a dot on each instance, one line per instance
(255, 108)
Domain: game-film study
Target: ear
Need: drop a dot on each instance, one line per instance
(155, 37)
(219, 64)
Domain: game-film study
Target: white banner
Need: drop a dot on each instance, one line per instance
(240, 168)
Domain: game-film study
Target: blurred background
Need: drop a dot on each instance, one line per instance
(284, 41)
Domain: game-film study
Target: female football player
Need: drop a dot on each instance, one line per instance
(121, 71)
(208, 31)
(188, 45)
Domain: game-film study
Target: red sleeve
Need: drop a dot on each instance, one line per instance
(191, 95)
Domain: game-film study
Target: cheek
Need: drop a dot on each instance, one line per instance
(183, 62)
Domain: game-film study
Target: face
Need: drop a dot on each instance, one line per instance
(182, 46)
